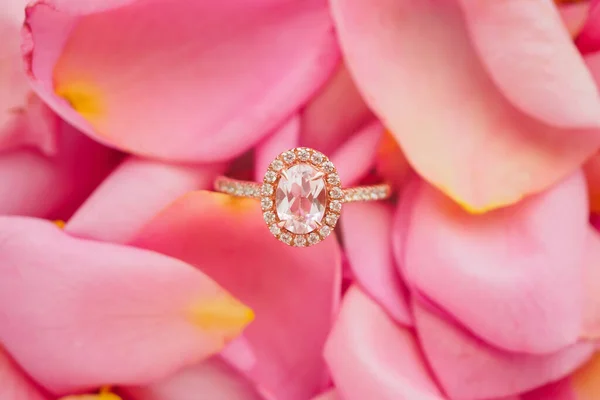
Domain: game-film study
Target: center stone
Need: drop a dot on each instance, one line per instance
(301, 198)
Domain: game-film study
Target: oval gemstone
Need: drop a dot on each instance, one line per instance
(301, 198)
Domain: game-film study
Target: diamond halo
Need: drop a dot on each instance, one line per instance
(301, 205)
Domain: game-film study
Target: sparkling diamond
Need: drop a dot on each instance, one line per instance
(301, 198)
(286, 237)
(275, 230)
(300, 241)
(289, 157)
(325, 231)
(303, 155)
(267, 189)
(336, 193)
(331, 219)
(270, 176)
(328, 166)
(277, 165)
(336, 206)
(333, 179)
(313, 238)
(269, 217)
(266, 203)
(317, 158)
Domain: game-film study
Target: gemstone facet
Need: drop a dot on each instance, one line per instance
(301, 198)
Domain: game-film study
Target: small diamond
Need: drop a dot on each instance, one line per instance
(336, 193)
(374, 196)
(348, 197)
(270, 176)
(313, 238)
(365, 196)
(275, 230)
(317, 158)
(289, 157)
(277, 165)
(336, 206)
(332, 219)
(303, 154)
(269, 217)
(325, 231)
(328, 166)
(333, 179)
(267, 189)
(266, 203)
(300, 241)
(286, 237)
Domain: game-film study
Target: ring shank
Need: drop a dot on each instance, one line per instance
(250, 189)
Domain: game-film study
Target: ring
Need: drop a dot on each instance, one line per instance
(301, 196)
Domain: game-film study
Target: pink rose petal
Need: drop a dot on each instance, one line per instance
(468, 368)
(207, 73)
(513, 276)
(77, 314)
(591, 321)
(478, 148)
(14, 385)
(588, 40)
(367, 234)
(226, 238)
(285, 138)
(372, 358)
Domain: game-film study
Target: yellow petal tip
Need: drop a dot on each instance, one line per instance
(104, 394)
(224, 314)
(83, 97)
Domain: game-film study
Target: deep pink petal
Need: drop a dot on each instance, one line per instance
(531, 57)
(513, 276)
(294, 291)
(468, 368)
(456, 127)
(14, 385)
(67, 305)
(367, 234)
(53, 186)
(136, 191)
(574, 16)
(335, 114)
(372, 358)
(212, 379)
(210, 74)
(588, 40)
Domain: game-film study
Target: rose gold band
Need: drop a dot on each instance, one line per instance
(240, 188)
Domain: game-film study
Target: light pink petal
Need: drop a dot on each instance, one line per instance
(14, 385)
(212, 379)
(285, 138)
(531, 57)
(78, 314)
(372, 358)
(336, 113)
(589, 39)
(53, 186)
(294, 291)
(513, 276)
(136, 191)
(330, 395)
(457, 129)
(356, 157)
(468, 368)
(210, 74)
(591, 322)
(367, 235)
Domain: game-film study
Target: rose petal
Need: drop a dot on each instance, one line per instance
(467, 368)
(391, 162)
(371, 358)
(72, 302)
(136, 191)
(588, 40)
(14, 384)
(285, 138)
(574, 16)
(53, 187)
(330, 395)
(367, 235)
(336, 113)
(591, 321)
(535, 63)
(478, 148)
(513, 276)
(128, 74)
(294, 291)
(212, 379)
